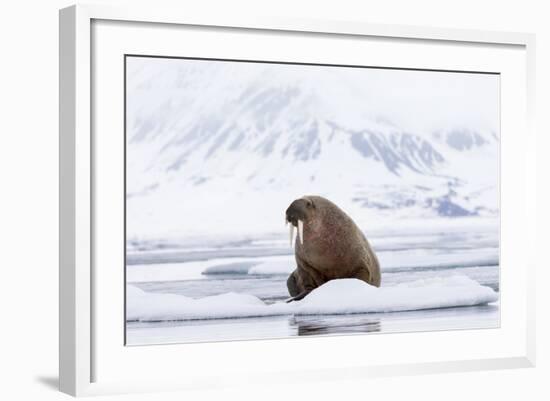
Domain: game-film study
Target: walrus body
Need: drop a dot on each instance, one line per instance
(329, 246)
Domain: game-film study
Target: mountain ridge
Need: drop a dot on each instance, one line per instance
(277, 137)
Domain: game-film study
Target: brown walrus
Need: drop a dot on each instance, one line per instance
(329, 246)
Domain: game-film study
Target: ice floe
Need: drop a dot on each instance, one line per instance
(345, 296)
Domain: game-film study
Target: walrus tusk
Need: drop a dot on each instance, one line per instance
(291, 234)
(301, 231)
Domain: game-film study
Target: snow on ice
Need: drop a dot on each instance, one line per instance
(345, 296)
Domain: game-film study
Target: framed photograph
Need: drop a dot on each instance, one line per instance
(272, 198)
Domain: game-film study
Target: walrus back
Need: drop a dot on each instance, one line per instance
(350, 241)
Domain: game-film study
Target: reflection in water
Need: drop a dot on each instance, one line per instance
(334, 324)
(272, 327)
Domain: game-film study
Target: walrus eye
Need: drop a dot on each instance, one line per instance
(309, 203)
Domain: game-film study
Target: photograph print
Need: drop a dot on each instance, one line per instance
(270, 200)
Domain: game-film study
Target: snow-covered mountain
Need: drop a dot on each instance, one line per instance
(227, 146)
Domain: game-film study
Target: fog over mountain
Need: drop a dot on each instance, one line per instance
(224, 147)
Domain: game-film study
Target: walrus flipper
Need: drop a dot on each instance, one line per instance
(298, 285)
(292, 284)
(298, 297)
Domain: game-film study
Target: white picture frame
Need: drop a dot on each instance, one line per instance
(85, 351)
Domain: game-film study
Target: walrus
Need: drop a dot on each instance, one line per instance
(329, 246)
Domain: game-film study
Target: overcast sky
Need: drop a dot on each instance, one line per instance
(428, 100)
(420, 101)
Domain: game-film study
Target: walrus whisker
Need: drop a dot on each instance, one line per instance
(301, 231)
(291, 235)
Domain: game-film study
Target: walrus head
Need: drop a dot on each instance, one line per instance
(299, 211)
